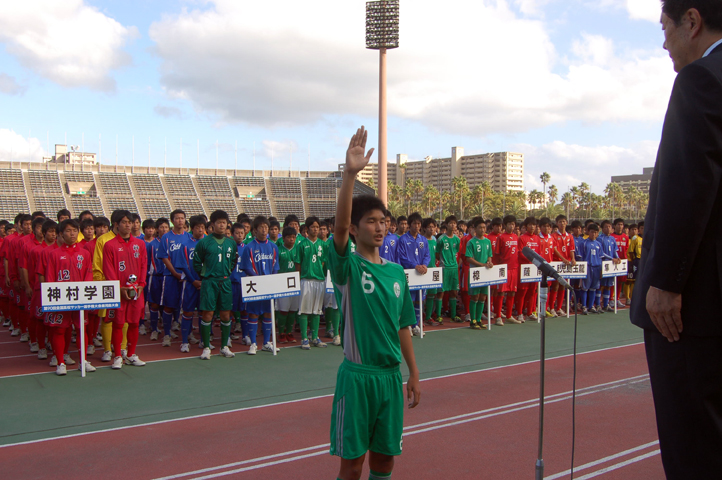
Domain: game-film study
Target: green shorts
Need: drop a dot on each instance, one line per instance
(216, 295)
(368, 411)
(451, 279)
(432, 291)
(479, 290)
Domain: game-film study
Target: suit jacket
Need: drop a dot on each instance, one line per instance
(682, 248)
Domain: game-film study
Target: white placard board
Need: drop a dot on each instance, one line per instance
(610, 269)
(482, 276)
(69, 296)
(266, 287)
(433, 278)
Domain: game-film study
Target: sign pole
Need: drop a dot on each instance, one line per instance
(568, 298)
(82, 343)
(538, 317)
(616, 300)
(421, 312)
(488, 309)
(273, 324)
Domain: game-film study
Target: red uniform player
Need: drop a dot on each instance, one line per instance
(125, 259)
(27, 279)
(622, 240)
(564, 253)
(527, 293)
(68, 263)
(507, 249)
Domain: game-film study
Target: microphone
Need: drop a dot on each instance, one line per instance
(544, 266)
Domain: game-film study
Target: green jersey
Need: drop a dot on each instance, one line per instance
(448, 247)
(311, 256)
(375, 302)
(286, 257)
(432, 251)
(479, 249)
(215, 257)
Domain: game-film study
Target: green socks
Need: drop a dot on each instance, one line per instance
(472, 310)
(429, 307)
(315, 322)
(206, 333)
(452, 308)
(225, 333)
(281, 322)
(303, 324)
(333, 316)
(290, 320)
(437, 303)
(479, 310)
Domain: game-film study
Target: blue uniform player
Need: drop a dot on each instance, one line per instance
(592, 254)
(260, 257)
(156, 270)
(239, 306)
(609, 252)
(170, 252)
(191, 284)
(412, 251)
(389, 247)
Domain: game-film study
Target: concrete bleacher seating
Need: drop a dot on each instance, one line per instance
(286, 187)
(121, 203)
(45, 183)
(10, 206)
(180, 186)
(288, 207)
(256, 207)
(148, 185)
(214, 187)
(82, 202)
(190, 205)
(155, 207)
(82, 177)
(50, 205)
(115, 184)
(322, 209)
(225, 204)
(12, 181)
(321, 188)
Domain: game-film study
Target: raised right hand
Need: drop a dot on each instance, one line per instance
(355, 159)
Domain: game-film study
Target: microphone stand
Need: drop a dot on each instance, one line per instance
(544, 287)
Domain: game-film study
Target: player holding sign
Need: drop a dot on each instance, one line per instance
(479, 253)
(376, 302)
(214, 259)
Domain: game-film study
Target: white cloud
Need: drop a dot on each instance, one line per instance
(571, 164)
(17, 148)
(10, 86)
(67, 42)
(168, 112)
(468, 68)
(650, 10)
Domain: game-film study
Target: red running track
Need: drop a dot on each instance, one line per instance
(476, 425)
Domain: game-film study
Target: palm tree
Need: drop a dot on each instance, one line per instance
(568, 201)
(430, 199)
(372, 184)
(553, 193)
(575, 197)
(545, 178)
(460, 192)
(615, 193)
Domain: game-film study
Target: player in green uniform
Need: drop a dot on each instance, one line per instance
(377, 311)
(309, 258)
(479, 253)
(447, 247)
(330, 308)
(214, 259)
(287, 306)
(428, 228)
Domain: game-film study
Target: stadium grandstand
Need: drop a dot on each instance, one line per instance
(153, 192)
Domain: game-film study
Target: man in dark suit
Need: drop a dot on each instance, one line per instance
(678, 297)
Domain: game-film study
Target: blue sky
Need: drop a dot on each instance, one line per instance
(579, 87)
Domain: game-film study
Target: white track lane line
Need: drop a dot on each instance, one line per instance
(602, 460)
(416, 429)
(619, 465)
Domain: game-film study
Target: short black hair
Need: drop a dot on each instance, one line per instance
(219, 215)
(415, 217)
(709, 10)
(545, 221)
(101, 222)
(88, 212)
(496, 221)
(530, 221)
(618, 220)
(37, 214)
(576, 223)
(363, 204)
(402, 218)
(606, 222)
(119, 215)
(450, 218)
(640, 224)
(592, 227)
(427, 222)
(634, 225)
(136, 217)
(311, 220)
(68, 222)
(475, 221)
(291, 218)
(272, 222)
(161, 221)
(241, 216)
(560, 217)
(588, 221)
(38, 221)
(258, 221)
(322, 224)
(176, 212)
(148, 223)
(63, 212)
(86, 223)
(237, 226)
(288, 232)
(49, 225)
(508, 219)
(461, 222)
(197, 220)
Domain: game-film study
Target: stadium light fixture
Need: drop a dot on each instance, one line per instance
(382, 33)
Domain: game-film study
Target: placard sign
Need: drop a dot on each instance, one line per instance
(431, 279)
(482, 276)
(529, 273)
(266, 287)
(611, 269)
(579, 270)
(69, 296)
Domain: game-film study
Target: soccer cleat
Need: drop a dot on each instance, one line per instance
(551, 314)
(234, 337)
(226, 352)
(90, 350)
(457, 319)
(609, 308)
(7, 322)
(252, 349)
(305, 345)
(134, 360)
(246, 340)
(15, 332)
(532, 317)
(107, 356)
(154, 335)
(330, 334)
(290, 338)
(416, 331)
(499, 322)
(166, 341)
(192, 339)
(42, 354)
(561, 313)
(175, 327)
(475, 325)
(627, 303)
(467, 317)
(228, 343)
(34, 348)
(439, 321)
(593, 309)
(68, 360)
(484, 317)
(318, 343)
(620, 304)
(585, 311)
(53, 361)
(268, 347)
(173, 335)
(238, 328)
(25, 337)
(521, 318)
(282, 338)
(97, 343)
(206, 355)
(124, 354)
(336, 340)
(428, 323)
(88, 367)
(185, 348)
(600, 310)
(512, 320)
(61, 370)
(117, 363)
(142, 330)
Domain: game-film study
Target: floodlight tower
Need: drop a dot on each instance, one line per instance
(382, 33)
